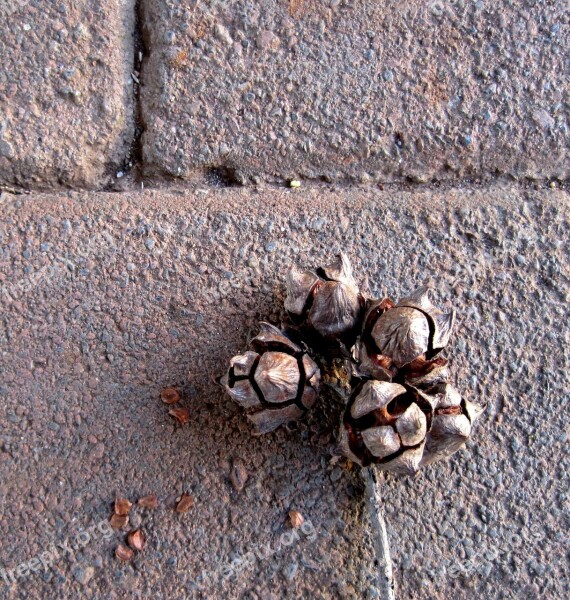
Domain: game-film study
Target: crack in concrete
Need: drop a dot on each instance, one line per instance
(379, 536)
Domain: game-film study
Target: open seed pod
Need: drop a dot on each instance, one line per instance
(451, 423)
(276, 382)
(404, 336)
(386, 424)
(327, 300)
(400, 428)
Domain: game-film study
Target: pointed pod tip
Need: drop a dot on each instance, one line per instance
(474, 411)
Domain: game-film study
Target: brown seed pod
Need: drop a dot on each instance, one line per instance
(124, 553)
(385, 424)
(394, 336)
(327, 300)
(119, 521)
(296, 519)
(185, 503)
(170, 395)
(276, 383)
(136, 540)
(150, 501)
(400, 428)
(451, 423)
(122, 506)
(182, 415)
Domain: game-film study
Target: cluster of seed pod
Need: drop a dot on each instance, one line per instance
(402, 413)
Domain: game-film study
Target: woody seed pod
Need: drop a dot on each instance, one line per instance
(326, 300)
(451, 423)
(276, 382)
(400, 428)
(402, 336)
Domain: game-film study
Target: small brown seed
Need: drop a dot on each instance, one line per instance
(136, 540)
(150, 501)
(182, 415)
(119, 521)
(296, 519)
(122, 506)
(238, 475)
(170, 395)
(123, 553)
(185, 503)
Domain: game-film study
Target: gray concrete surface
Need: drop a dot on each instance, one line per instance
(396, 90)
(66, 93)
(108, 298)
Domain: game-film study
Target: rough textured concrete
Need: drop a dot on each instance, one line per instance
(359, 90)
(106, 299)
(66, 93)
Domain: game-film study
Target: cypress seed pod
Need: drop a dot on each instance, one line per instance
(400, 428)
(403, 336)
(276, 382)
(327, 300)
(451, 424)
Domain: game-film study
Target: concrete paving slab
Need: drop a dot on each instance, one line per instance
(66, 93)
(109, 298)
(368, 90)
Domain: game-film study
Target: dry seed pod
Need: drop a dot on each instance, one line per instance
(185, 503)
(170, 395)
(451, 424)
(136, 540)
(296, 519)
(394, 336)
(182, 415)
(150, 501)
(327, 300)
(124, 553)
(386, 424)
(118, 521)
(276, 383)
(122, 506)
(400, 428)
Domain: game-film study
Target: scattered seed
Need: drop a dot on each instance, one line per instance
(123, 553)
(295, 183)
(119, 521)
(122, 506)
(238, 475)
(149, 501)
(182, 415)
(170, 395)
(136, 539)
(296, 519)
(185, 503)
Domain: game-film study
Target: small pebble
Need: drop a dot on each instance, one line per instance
(290, 571)
(336, 474)
(83, 575)
(238, 475)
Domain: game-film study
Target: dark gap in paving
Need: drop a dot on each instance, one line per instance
(141, 52)
(224, 177)
(133, 167)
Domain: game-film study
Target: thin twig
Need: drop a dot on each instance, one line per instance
(379, 536)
